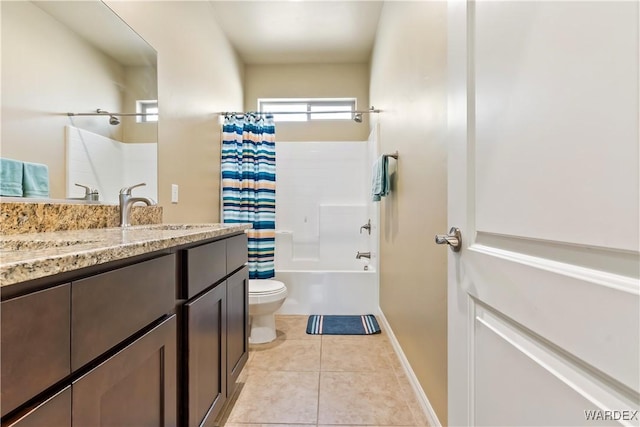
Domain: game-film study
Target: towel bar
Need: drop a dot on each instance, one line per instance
(394, 155)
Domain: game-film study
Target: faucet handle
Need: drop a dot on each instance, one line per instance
(367, 227)
(90, 194)
(127, 190)
(87, 190)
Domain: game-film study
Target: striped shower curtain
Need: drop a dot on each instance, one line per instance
(249, 186)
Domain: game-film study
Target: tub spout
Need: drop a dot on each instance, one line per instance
(363, 255)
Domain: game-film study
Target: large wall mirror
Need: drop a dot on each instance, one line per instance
(62, 57)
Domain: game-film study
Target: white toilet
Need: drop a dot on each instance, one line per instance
(265, 298)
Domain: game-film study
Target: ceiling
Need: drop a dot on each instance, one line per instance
(285, 32)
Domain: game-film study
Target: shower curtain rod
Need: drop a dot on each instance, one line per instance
(110, 114)
(226, 113)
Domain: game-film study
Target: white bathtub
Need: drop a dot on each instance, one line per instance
(329, 292)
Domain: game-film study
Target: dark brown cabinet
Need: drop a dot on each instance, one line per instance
(216, 335)
(136, 387)
(109, 307)
(54, 412)
(206, 326)
(157, 340)
(237, 324)
(84, 342)
(35, 340)
(206, 265)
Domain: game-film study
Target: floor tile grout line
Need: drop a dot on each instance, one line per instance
(319, 382)
(322, 347)
(405, 395)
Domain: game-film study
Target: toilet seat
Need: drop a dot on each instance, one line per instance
(265, 294)
(265, 287)
(263, 291)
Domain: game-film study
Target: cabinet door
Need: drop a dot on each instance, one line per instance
(237, 325)
(34, 342)
(135, 387)
(55, 411)
(206, 352)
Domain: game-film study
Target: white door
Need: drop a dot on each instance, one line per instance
(543, 183)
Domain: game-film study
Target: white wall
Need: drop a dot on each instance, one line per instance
(322, 199)
(109, 165)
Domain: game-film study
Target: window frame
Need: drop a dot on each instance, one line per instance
(310, 103)
(143, 106)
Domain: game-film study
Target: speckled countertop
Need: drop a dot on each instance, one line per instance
(34, 255)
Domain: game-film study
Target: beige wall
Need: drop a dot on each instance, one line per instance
(142, 84)
(311, 81)
(198, 74)
(408, 79)
(47, 71)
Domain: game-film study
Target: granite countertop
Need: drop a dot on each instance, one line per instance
(35, 255)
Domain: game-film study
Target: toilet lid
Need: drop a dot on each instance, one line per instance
(265, 286)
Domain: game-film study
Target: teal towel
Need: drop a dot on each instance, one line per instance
(35, 180)
(380, 179)
(10, 178)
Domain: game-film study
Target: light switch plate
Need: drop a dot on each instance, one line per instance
(174, 193)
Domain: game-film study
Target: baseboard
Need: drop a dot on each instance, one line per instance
(415, 384)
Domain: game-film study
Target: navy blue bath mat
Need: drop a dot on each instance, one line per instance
(342, 325)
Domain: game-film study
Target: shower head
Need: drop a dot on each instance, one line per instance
(113, 120)
(357, 117)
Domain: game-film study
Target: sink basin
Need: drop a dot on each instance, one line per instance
(174, 226)
(34, 245)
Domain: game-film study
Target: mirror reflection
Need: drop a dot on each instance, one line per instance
(77, 57)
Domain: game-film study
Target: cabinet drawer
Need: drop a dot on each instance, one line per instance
(109, 307)
(34, 342)
(236, 252)
(206, 265)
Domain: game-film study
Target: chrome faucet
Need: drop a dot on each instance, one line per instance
(367, 227)
(126, 201)
(90, 194)
(363, 255)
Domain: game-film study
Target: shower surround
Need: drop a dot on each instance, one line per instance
(322, 200)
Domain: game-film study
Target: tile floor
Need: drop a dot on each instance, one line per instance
(322, 380)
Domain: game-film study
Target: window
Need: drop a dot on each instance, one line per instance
(148, 107)
(304, 110)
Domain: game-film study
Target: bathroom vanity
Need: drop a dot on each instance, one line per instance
(146, 325)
